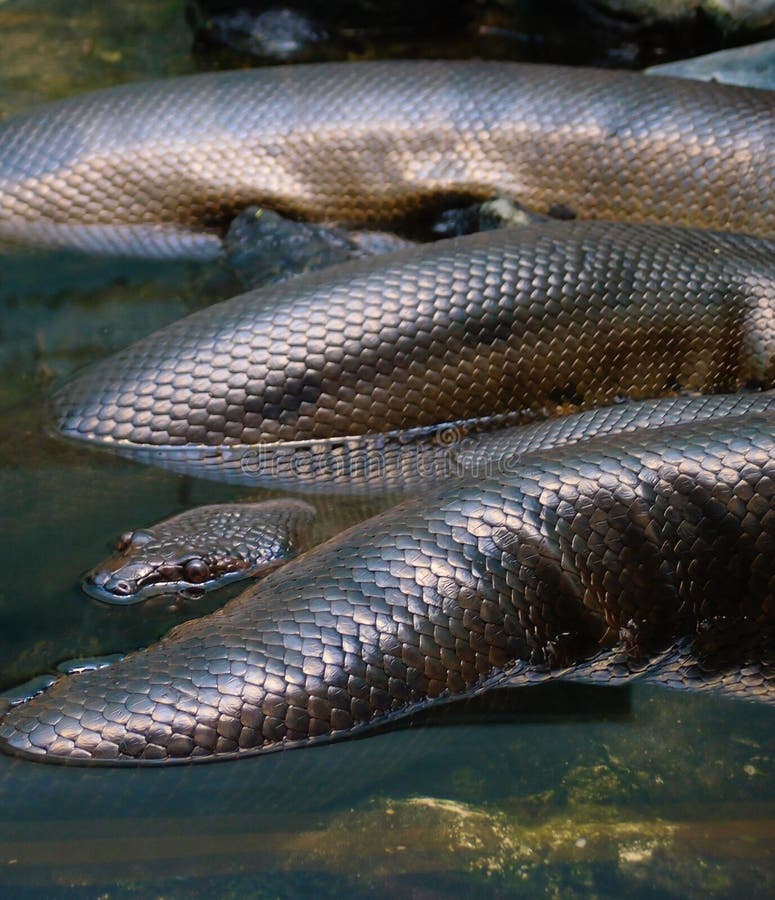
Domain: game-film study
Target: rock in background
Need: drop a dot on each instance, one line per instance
(732, 15)
(613, 33)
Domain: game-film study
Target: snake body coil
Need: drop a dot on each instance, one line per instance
(625, 543)
(648, 553)
(160, 168)
(477, 330)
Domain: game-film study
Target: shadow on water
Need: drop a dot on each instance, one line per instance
(566, 791)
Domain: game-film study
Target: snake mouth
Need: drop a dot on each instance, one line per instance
(123, 593)
(126, 593)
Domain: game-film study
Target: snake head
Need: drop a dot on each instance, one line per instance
(123, 580)
(200, 550)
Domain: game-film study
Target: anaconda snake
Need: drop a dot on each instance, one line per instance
(595, 560)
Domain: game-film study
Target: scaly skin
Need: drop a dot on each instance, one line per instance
(160, 168)
(620, 555)
(472, 333)
(625, 544)
(206, 547)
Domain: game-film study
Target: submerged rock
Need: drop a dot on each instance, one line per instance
(272, 31)
(262, 246)
(277, 35)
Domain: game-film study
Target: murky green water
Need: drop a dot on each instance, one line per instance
(567, 793)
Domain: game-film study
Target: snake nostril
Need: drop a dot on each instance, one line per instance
(121, 587)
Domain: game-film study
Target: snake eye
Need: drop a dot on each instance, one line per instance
(196, 571)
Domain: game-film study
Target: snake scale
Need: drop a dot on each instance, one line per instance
(620, 555)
